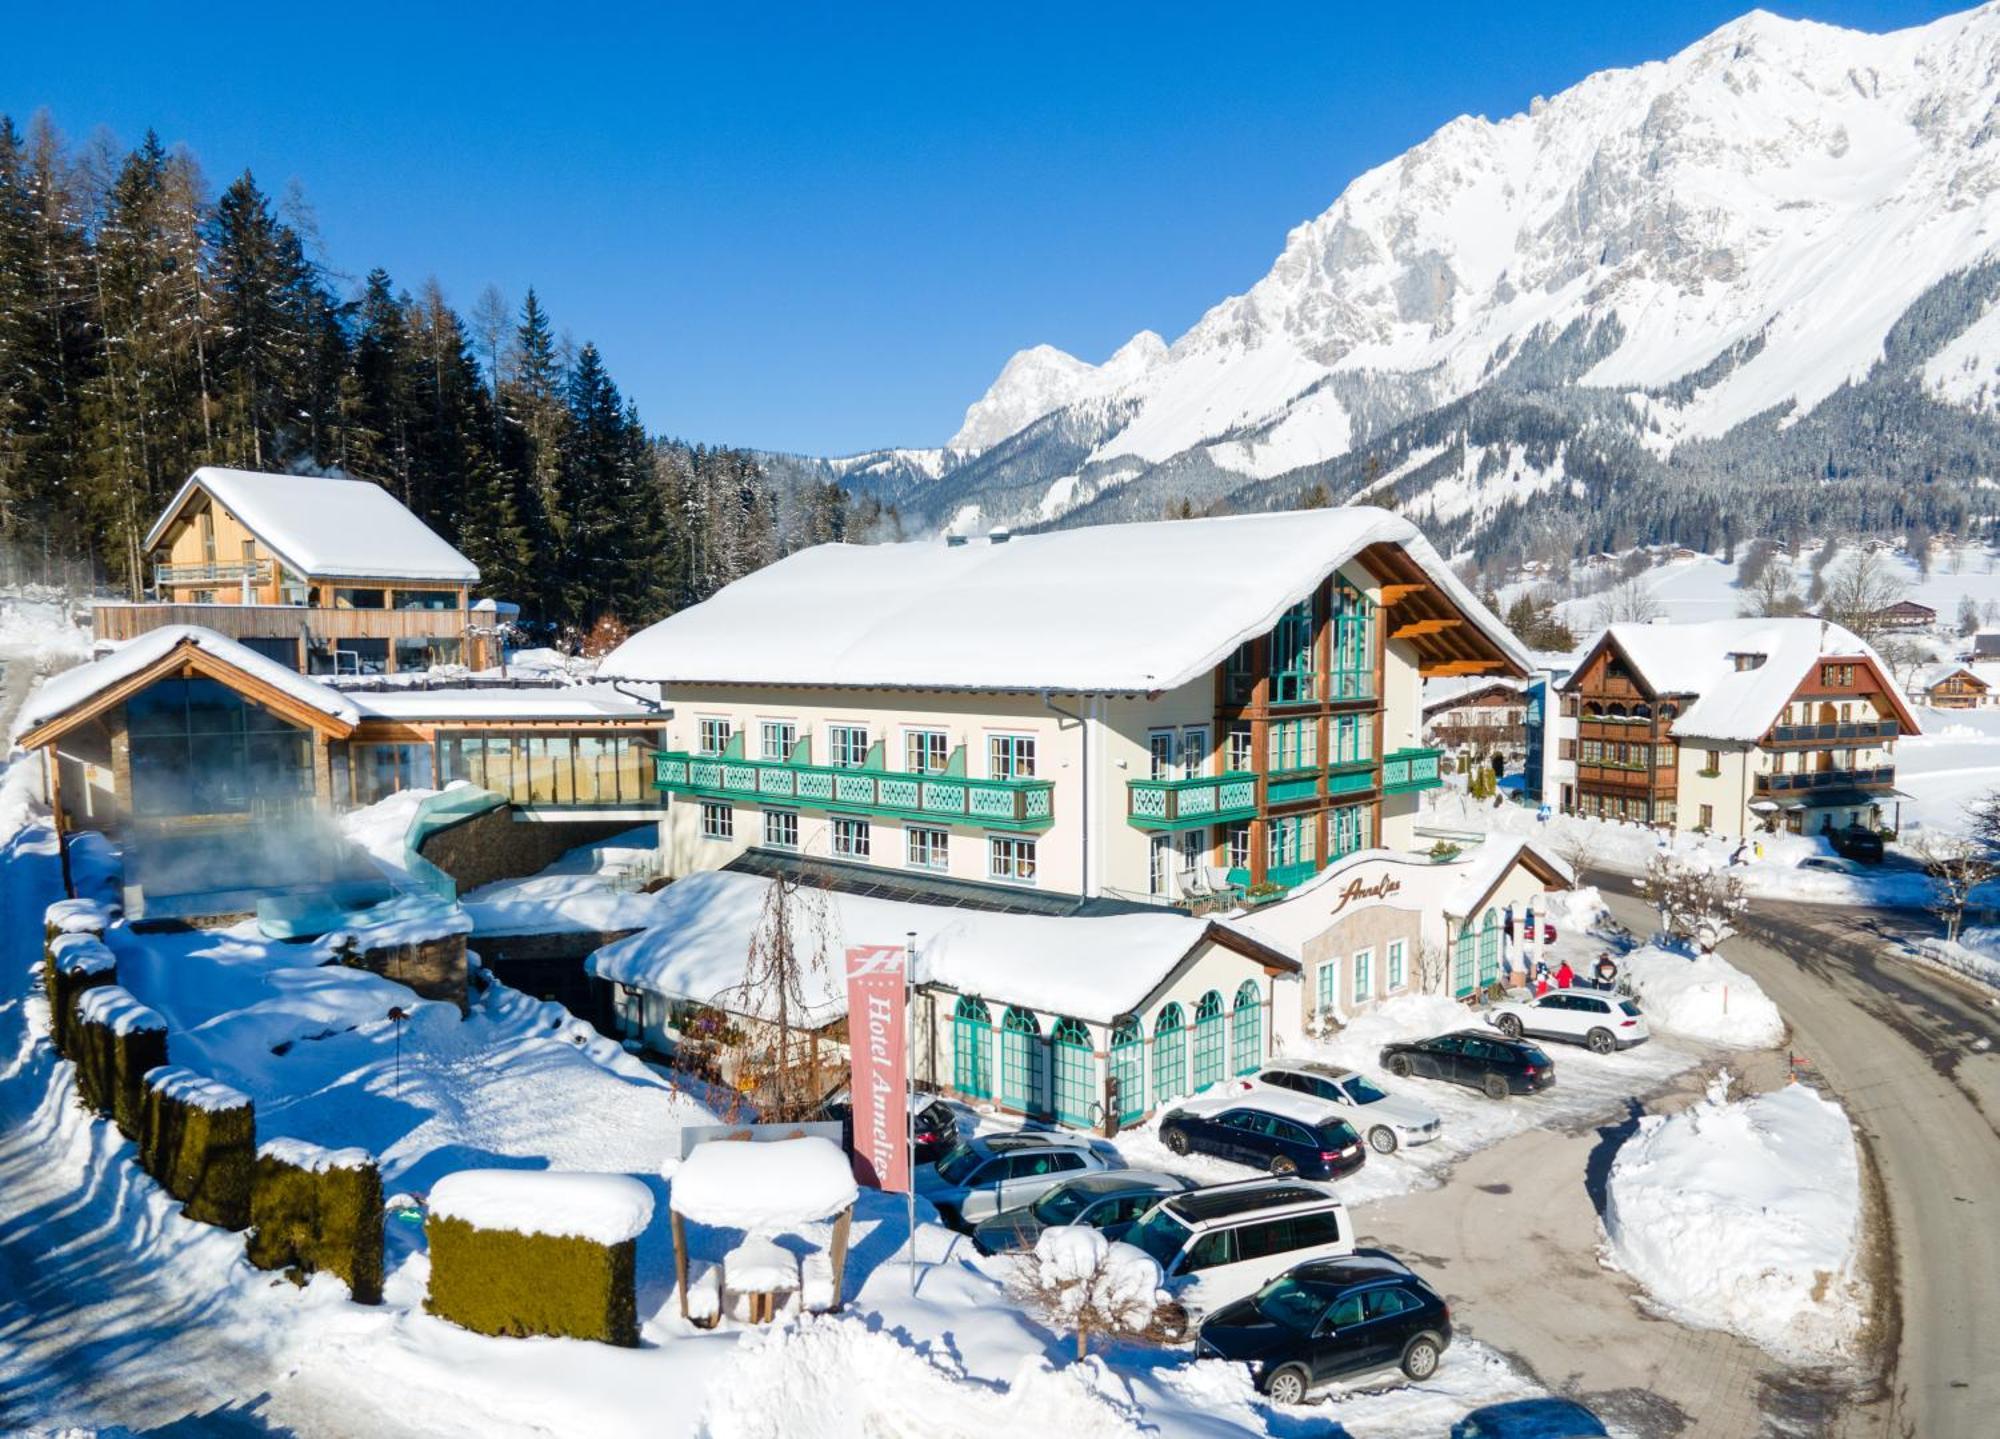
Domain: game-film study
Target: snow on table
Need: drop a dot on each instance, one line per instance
(1745, 1215)
(737, 1185)
(116, 1009)
(1702, 996)
(314, 1158)
(603, 1208)
(197, 1091)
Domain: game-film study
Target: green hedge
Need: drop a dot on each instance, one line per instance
(71, 964)
(200, 1143)
(494, 1281)
(117, 1041)
(314, 1212)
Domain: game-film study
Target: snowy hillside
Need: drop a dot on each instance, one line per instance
(1704, 245)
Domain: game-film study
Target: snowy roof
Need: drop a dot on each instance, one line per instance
(79, 686)
(1072, 610)
(603, 1208)
(1933, 675)
(1444, 691)
(739, 1185)
(1733, 704)
(492, 702)
(1095, 968)
(317, 526)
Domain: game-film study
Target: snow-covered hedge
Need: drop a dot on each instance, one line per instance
(1745, 1215)
(72, 963)
(519, 1252)
(117, 1040)
(1702, 996)
(315, 1210)
(199, 1140)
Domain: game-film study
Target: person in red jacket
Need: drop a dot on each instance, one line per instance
(1565, 976)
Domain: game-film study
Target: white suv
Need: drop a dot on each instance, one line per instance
(1581, 1016)
(1387, 1121)
(1218, 1244)
(990, 1174)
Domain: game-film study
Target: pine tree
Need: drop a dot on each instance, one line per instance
(377, 441)
(532, 402)
(272, 330)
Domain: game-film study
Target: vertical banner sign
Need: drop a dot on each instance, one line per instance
(877, 1021)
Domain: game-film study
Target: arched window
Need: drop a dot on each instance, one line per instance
(1462, 961)
(1489, 949)
(972, 1048)
(1128, 1067)
(1642, 711)
(1208, 1040)
(1591, 710)
(1169, 1055)
(1246, 1032)
(1021, 1083)
(1668, 711)
(1075, 1066)
(1615, 712)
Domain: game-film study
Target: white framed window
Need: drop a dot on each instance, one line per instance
(781, 828)
(1160, 866)
(715, 735)
(1194, 750)
(1160, 744)
(777, 740)
(929, 848)
(850, 838)
(1010, 858)
(926, 751)
(1397, 956)
(1364, 975)
(847, 746)
(718, 821)
(1239, 845)
(1010, 756)
(1239, 752)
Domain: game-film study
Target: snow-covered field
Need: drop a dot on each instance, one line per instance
(1746, 1215)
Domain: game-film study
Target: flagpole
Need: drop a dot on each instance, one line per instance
(910, 1078)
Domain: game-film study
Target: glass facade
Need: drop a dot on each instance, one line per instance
(199, 748)
(612, 769)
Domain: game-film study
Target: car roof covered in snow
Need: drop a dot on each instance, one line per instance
(1229, 1201)
(1286, 1103)
(338, 528)
(1073, 610)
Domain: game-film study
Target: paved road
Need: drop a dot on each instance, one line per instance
(1915, 1056)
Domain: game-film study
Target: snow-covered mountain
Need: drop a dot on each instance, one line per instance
(1673, 262)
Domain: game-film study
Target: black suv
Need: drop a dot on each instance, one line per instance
(1488, 1062)
(1857, 842)
(1329, 1318)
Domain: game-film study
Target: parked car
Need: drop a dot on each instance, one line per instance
(1328, 1319)
(1110, 1202)
(933, 1124)
(1857, 842)
(1273, 1129)
(1388, 1120)
(1220, 1243)
(1489, 1062)
(989, 1174)
(1830, 864)
(1604, 1022)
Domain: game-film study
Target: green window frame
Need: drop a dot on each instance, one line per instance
(1489, 949)
(1353, 739)
(718, 821)
(926, 751)
(1010, 756)
(777, 739)
(1353, 644)
(1246, 1029)
(1397, 956)
(1364, 965)
(1170, 1054)
(781, 829)
(847, 746)
(927, 847)
(1347, 830)
(1209, 1041)
(972, 1048)
(1074, 1065)
(1021, 1061)
(1462, 966)
(1294, 745)
(1128, 1067)
(1293, 678)
(713, 736)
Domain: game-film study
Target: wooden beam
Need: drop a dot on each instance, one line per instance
(1460, 667)
(1417, 629)
(1397, 593)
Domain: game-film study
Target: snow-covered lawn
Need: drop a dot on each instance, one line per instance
(1746, 1215)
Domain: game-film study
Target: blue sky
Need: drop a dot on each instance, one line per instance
(801, 229)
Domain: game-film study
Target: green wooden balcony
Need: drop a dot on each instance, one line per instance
(1026, 804)
(1405, 771)
(1354, 776)
(1155, 804)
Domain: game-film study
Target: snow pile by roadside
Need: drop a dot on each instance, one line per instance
(1974, 954)
(1404, 1016)
(1574, 910)
(1745, 1215)
(1703, 996)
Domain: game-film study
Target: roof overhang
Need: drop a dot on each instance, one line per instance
(1448, 638)
(171, 515)
(187, 659)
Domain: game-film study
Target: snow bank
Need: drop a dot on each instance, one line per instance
(116, 1009)
(82, 954)
(78, 916)
(1704, 997)
(1574, 910)
(197, 1091)
(316, 1158)
(736, 1185)
(1403, 1016)
(1746, 1216)
(603, 1208)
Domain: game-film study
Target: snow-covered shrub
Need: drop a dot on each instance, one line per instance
(315, 1210)
(200, 1142)
(1078, 1280)
(117, 1041)
(518, 1252)
(1697, 898)
(71, 964)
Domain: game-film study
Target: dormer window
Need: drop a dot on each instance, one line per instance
(1746, 660)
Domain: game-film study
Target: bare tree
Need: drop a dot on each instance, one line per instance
(1076, 1279)
(1773, 593)
(1859, 591)
(1905, 658)
(1432, 967)
(1697, 902)
(1627, 602)
(1968, 615)
(1957, 866)
(1575, 844)
(778, 1053)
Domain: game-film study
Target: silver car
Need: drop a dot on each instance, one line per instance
(1387, 1121)
(989, 1174)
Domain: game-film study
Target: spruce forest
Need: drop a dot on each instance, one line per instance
(148, 327)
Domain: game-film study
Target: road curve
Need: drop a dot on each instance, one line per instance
(1914, 1054)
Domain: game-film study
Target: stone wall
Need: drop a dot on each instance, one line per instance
(434, 968)
(493, 845)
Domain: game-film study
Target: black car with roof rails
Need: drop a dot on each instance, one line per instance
(1327, 1319)
(1489, 1062)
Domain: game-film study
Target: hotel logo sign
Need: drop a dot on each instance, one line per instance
(1360, 889)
